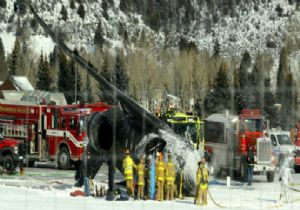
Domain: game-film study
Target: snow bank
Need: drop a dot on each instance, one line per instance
(39, 43)
(261, 196)
(8, 40)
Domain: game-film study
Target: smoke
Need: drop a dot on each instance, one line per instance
(184, 156)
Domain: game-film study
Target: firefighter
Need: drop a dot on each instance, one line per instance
(170, 178)
(86, 173)
(286, 179)
(151, 177)
(141, 179)
(202, 184)
(128, 166)
(250, 162)
(160, 173)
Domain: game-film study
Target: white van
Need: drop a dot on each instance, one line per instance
(282, 146)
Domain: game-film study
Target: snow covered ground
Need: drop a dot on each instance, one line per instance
(49, 189)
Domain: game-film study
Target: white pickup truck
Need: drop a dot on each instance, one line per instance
(282, 146)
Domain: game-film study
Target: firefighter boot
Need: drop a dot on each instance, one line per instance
(21, 171)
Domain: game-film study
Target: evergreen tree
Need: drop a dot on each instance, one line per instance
(244, 96)
(216, 47)
(72, 68)
(20, 7)
(65, 79)
(117, 77)
(72, 4)
(269, 102)
(98, 37)
(64, 13)
(282, 73)
(75, 85)
(284, 91)
(104, 95)
(121, 78)
(53, 57)
(288, 103)
(44, 75)
(81, 11)
(219, 96)
(3, 3)
(34, 25)
(3, 70)
(104, 6)
(14, 59)
(198, 108)
(88, 90)
(79, 96)
(258, 87)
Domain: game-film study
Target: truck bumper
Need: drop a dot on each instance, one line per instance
(297, 160)
(291, 160)
(262, 168)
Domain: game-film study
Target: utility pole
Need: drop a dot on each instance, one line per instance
(76, 69)
(278, 109)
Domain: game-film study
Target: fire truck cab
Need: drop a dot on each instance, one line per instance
(228, 139)
(9, 157)
(188, 126)
(282, 146)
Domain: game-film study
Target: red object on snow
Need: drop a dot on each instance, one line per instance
(77, 193)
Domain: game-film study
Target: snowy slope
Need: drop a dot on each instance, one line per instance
(253, 27)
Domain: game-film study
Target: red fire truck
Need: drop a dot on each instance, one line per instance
(296, 135)
(47, 132)
(8, 154)
(228, 139)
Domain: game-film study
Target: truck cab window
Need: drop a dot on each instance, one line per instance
(72, 123)
(54, 119)
(273, 140)
(63, 122)
(284, 139)
(1, 132)
(81, 124)
(254, 125)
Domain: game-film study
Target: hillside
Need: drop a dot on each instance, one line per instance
(187, 41)
(236, 25)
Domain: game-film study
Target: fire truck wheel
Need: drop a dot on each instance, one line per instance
(270, 176)
(64, 158)
(243, 172)
(8, 163)
(297, 168)
(218, 172)
(31, 163)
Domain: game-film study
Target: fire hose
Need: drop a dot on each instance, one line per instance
(295, 184)
(268, 207)
(213, 200)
